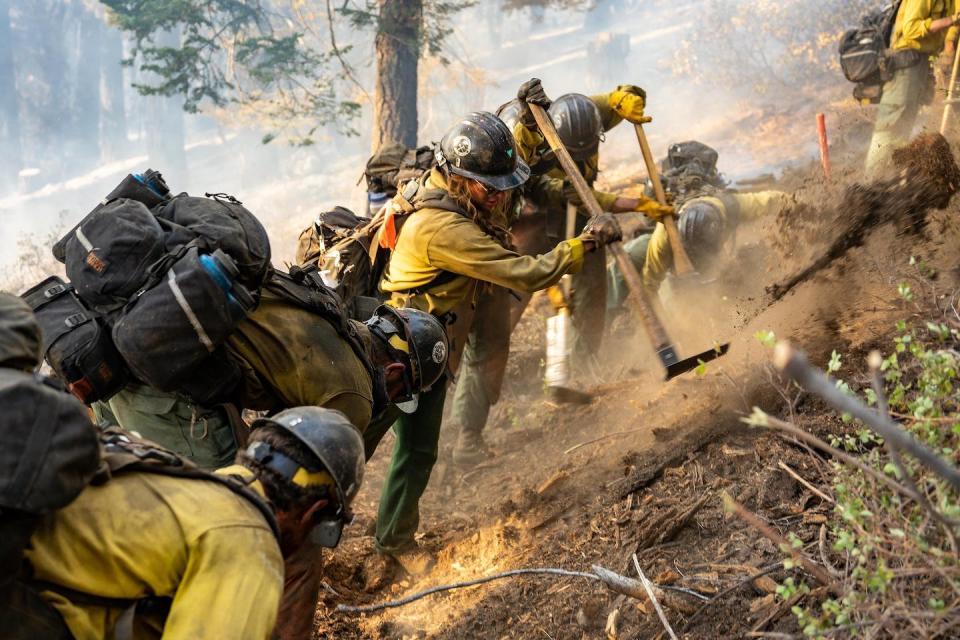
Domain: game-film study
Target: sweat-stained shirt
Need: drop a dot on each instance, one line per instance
(295, 358)
(659, 256)
(143, 534)
(911, 30)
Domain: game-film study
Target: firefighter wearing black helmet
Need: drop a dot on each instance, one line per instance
(581, 122)
(707, 224)
(453, 246)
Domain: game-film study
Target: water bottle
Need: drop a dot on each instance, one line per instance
(223, 270)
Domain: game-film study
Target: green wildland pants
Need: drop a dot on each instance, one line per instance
(897, 112)
(484, 361)
(201, 435)
(617, 289)
(414, 454)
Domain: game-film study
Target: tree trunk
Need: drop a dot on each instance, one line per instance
(113, 118)
(10, 152)
(86, 122)
(398, 51)
(163, 129)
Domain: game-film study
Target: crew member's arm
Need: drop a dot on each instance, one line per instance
(761, 203)
(917, 21)
(231, 586)
(626, 102)
(462, 247)
(659, 260)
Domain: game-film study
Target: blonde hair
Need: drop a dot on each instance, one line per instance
(458, 188)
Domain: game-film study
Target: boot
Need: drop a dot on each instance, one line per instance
(415, 561)
(470, 449)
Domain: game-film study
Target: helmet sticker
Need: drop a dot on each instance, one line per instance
(439, 352)
(462, 145)
(557, 121)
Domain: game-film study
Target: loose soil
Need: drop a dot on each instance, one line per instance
(640, 469)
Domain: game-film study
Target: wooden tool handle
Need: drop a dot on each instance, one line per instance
(681, 261)
(637, 297)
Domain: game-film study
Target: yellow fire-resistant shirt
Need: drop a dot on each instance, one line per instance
(659, 260)
(911, 30)
(432, 241)
(143, 534)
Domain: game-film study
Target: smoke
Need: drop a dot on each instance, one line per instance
(713, 96)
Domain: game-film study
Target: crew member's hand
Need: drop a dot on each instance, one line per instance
(654, 210)
(628, 102)
(601, 230)
(532, 91)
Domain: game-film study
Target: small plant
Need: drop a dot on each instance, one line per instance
(898, 565)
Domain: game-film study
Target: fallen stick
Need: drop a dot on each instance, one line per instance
(614, 581)
(768, 532)
(656, 605)
(609, 435)
(796, 476)
(794, 363)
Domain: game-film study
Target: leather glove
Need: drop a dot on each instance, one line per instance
(654, 210)
(531, 92)
(628, 102)
(603, 230)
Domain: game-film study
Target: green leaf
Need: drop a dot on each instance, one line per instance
(766, 338)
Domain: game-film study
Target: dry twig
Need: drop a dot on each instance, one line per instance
(653, 598)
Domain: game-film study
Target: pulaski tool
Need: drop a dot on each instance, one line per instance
(658, 335)
(681, 261)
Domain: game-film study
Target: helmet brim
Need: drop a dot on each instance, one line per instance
(503, 182)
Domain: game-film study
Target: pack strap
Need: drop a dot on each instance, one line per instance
(124, 453)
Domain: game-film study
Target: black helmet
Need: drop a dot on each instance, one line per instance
(330, 436)
(420, 337)
(510, 113)
(702, 231)
(481, 147)
(578, 124)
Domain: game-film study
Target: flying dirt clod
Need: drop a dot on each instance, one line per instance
(927, 179)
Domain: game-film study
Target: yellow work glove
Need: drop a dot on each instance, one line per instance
(654, 210)
(628, 102)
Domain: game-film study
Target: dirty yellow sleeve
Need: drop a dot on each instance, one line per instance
(196, 542)
(659, 260)
(912, 27)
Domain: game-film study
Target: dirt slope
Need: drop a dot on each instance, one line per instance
(575, 486)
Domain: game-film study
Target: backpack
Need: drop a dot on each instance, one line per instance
(394, 164)
(863, 52)
(170, 277)
(76, 342)
(338, 245)
(48, 454)
(354, 265)
(689, 170)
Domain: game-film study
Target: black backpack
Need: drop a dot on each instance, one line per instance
(48, 454)
(76, 342)
(394, 164)
(863, 52)
(170, 277)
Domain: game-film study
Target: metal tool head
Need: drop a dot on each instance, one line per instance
(675, 366)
